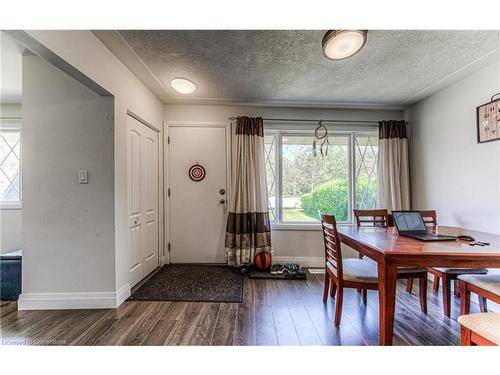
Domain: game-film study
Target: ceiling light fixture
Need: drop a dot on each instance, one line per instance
(341, 44)
(183, 85)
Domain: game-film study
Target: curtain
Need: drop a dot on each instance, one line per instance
(393, 190)
(248, 229)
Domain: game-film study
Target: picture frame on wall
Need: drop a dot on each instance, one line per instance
(488, 121)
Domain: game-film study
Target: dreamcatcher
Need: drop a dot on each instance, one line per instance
(321, 135)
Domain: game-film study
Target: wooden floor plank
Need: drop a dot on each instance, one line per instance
(245, 316)
(273, 312)
(204, 330)
(224, 331)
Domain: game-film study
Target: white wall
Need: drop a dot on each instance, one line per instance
(450, 171)
(86, 53)
(303, 246)
(10, 219)
(68, 228)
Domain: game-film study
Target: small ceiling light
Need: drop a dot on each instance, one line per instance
(341, 44)
(183, 85)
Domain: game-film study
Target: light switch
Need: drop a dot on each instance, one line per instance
(83, 176)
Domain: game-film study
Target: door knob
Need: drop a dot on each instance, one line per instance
(222, 201)
(222, 192)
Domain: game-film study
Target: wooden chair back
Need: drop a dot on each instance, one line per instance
(377, 218)
(333, 252)
(430, 218)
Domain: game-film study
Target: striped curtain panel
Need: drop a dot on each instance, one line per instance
(393, 190)
(248, 230)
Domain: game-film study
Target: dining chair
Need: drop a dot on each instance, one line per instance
(377, 217)
(485, 286)
(382, 218)
(447, 275)
(349, 273)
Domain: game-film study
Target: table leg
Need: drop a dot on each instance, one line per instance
(387, 278)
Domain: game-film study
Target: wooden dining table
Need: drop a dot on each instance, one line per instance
(390, 250)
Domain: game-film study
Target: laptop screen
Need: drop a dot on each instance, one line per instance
(409, 221)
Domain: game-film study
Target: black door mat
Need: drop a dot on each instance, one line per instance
(192, 283)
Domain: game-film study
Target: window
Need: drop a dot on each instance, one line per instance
(10, 164)
(301, 185)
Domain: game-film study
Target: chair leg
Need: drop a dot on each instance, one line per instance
(409, 285)
(456, 288)
(422, 292)
(333, 289)
(435, 285)
(446, 288)
(326, 287)
(338, 305)
(482, 304)
(464, 299)
(465, 336)
(364, 295)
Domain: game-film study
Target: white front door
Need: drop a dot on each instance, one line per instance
(142, 164)
(197, 209)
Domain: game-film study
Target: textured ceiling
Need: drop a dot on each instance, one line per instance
(392, 68)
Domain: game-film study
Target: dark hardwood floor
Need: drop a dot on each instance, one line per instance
(274, 312)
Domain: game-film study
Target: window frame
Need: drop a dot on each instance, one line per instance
(351, 132)
(14, 125)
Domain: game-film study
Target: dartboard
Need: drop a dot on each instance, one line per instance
(196, 173)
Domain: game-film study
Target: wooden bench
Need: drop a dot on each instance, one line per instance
(480, 329)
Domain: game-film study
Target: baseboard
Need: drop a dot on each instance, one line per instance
(315, 262)
(122, 294)
(67, 301)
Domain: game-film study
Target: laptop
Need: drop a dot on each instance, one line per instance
(411, 224)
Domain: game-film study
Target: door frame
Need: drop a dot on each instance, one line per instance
(166, 176)
(161, 206)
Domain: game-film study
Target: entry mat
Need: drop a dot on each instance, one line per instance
(192, 283)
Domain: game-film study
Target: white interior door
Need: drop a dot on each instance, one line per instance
(197, 209)
(142, 164)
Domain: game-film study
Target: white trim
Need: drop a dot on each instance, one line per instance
(296, 226)
(11, 206)
(122, 294)
(314, 226)
(66, 301)
(316, 262)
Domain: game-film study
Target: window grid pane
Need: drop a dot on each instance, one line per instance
(10, 145)
(366, 148)
(270, 159)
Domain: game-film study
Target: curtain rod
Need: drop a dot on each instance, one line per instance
(309, 120)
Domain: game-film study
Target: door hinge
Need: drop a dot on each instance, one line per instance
(168, 247)
(168, 140)
(168, 192)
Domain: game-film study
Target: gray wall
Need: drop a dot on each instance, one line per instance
(130, 94)
(451, 172)
(10, 219)
(68, 228)
(288, 245)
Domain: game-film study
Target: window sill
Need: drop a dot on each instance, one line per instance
(302, 226)
(11, 206)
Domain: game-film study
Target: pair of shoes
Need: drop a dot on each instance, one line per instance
(293, 269)
(277, 269)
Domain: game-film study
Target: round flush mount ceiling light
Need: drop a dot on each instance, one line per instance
(341, 44)
(183, 85)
